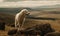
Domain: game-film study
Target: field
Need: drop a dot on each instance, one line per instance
(9, 19)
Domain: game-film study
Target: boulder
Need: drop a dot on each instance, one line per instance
(12, 32)
(53, 34)
(2, 26)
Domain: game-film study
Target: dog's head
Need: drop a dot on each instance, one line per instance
(25, 11)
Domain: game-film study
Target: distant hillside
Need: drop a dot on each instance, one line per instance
(12, 10)
(48, 7)
(53, 9)
(7, 18)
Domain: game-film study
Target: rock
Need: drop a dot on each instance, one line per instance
(12, 32)
(2, 26)
(53, 34)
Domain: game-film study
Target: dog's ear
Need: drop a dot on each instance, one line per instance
(24, 10)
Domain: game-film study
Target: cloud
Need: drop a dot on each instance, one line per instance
(27, 0)
(1, 0)
(28, 3)
(12, 0)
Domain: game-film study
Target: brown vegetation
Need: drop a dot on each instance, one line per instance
(9, 19)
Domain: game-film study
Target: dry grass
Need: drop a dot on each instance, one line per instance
(3, 33)
(32, 22)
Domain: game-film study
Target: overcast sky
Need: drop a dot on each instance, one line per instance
(31, 0)
(19, 3)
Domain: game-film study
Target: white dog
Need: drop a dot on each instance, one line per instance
(20, 18)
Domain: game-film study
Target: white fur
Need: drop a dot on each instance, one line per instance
(20, 18)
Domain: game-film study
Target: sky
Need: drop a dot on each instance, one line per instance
(31, 0)
(27, 3)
